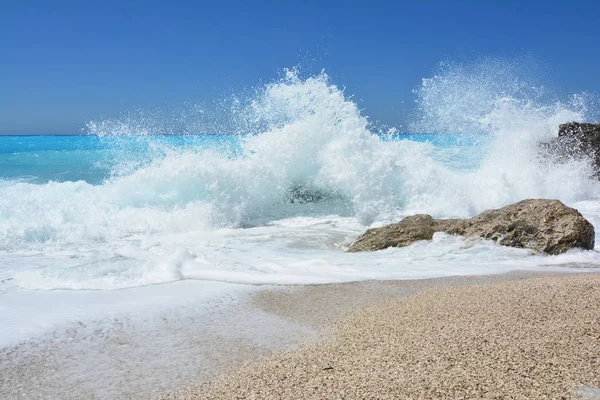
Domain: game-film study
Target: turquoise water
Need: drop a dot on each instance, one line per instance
(43, 158)
(93, 159)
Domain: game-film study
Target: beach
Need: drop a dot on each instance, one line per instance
(513, 336)
(139, 263)
(299, 200)
(189, 353)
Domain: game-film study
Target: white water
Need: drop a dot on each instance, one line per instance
(208, 215)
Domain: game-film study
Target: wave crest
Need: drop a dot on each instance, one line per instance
(308, 150)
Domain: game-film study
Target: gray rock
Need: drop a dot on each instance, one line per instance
(302, 194)
(576, 140)
(544, 226)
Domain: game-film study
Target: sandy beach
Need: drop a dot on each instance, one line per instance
(182, 348)
(273, 200)
(506, 336)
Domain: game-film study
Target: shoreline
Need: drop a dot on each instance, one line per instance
(512, 336)
(178, 348)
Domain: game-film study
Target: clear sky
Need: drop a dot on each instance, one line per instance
(66, 62)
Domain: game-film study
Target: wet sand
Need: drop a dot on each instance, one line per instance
(505, 336)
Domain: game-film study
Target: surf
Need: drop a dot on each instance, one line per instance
(301, 173)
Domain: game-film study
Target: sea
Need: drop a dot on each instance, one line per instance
(144, 211)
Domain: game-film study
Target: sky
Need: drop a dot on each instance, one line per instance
(64, 63)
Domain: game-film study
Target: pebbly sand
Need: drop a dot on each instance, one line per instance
(175, 354)
(520, 339)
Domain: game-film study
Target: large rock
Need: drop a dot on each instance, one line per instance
(546, 226)
(576, 140)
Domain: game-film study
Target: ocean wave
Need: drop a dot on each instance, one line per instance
(306, 150)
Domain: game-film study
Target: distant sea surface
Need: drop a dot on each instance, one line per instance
(43, 158)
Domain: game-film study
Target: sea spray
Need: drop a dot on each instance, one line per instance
(304, 174)
(498, 98)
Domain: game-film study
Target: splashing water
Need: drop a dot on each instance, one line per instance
(490, 97)
(304, 175)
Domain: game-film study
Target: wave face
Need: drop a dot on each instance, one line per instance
(304, 173)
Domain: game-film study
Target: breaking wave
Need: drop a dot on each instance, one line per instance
(301, 148)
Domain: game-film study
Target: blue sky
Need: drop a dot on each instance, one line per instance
(66, 62)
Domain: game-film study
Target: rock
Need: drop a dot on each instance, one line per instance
(302, 194)
(579, 128)
(576, 140)
(546, 226)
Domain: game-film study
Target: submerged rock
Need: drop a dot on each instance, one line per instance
(302, 194)
(576, 140)
(546, 226)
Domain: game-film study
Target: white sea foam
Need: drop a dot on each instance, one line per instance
(308, 178)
